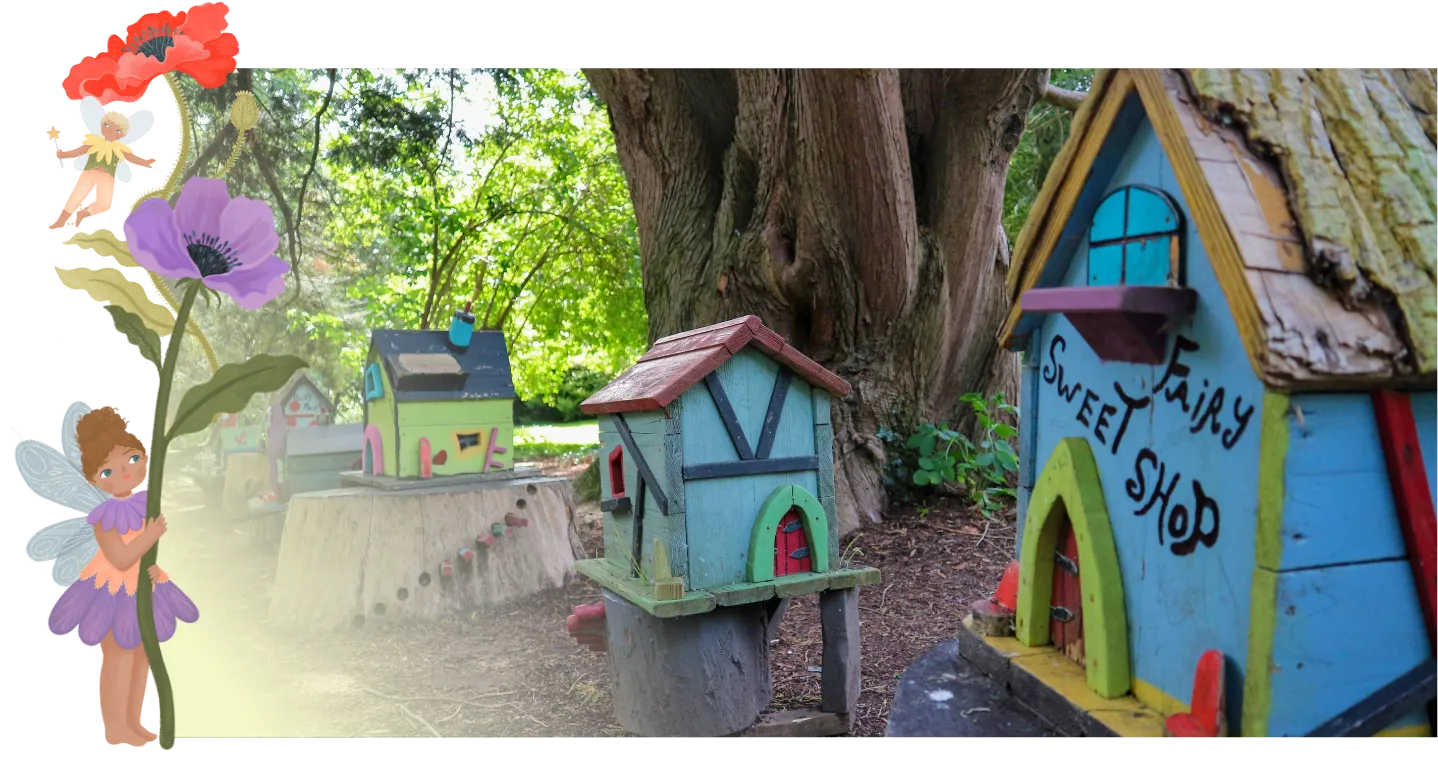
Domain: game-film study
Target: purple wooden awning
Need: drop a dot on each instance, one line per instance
(1120, 322)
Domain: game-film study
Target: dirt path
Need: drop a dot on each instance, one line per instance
(512, 670)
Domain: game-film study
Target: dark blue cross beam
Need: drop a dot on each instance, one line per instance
(1377, 712)
(776, 409)
(646, 475)
(726, 413)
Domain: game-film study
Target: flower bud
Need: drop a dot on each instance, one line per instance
(245, 113)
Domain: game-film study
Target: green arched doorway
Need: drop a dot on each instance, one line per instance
(766, 525)
(1069, 485)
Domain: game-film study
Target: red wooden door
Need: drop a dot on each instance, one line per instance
(1066, 621)
(791, 545)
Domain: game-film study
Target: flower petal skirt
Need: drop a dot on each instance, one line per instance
(97, 612)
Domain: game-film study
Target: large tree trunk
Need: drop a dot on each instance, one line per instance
(855, 212)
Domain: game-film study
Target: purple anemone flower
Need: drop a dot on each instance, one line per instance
(229, 243)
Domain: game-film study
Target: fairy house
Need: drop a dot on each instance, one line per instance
(437, 403)
(1226, 319)
(716, 443)
(717, 491)
(299, 404)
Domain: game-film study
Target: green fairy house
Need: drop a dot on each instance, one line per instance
(438, 402)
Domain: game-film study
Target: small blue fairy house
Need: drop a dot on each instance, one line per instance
(1226, 319)
(717, 488)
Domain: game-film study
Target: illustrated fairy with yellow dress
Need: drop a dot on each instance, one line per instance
(103, 157)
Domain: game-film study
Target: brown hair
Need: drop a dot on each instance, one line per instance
(98, 434)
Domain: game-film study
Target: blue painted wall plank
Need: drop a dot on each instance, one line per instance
(1337, 433)
(1342, 633)
(1425, 416)
(1338, 504)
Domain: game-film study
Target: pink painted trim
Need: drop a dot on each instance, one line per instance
(489, 463)
(424, 458)
(375, 444)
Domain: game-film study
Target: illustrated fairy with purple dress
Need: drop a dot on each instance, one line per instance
(98, 556)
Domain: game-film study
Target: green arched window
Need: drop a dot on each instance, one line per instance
(1135, 238)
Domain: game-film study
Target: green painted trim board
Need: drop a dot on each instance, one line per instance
(1268, 551)
(1070, 482)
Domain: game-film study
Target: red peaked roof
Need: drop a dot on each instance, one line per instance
(679, 361)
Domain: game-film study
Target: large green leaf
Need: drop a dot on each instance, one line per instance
(230, 390)
(132, 327)
(109, 286)
(105, 243)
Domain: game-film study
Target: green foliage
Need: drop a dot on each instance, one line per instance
(229, 391)
(134, 329)
(497, 187)
(935, 455)
(105, 243)
(1048, 127)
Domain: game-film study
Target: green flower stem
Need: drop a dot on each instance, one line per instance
(144, 600)
(234, 156)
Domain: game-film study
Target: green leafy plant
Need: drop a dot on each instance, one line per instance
(936, 455)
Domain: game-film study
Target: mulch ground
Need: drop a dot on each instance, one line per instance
(514, 671)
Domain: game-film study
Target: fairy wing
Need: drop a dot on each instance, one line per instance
(140, 123)
(69, 429)
(122, 171)
(52, 477)
(88, 112)
(71, 544)
(50, 474)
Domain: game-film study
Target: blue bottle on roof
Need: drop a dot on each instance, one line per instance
(461, 328)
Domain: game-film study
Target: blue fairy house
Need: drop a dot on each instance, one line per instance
(1224, 301)
(717, 488)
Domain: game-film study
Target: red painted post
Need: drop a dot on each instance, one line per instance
(1008, 593)
(446, 568)
(1408, 478)
(1406, 474)
(515, 522)
(484, 542)
(466, 554)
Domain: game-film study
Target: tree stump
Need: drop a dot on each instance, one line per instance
(697, 675)
(353, 556)
(246, 475)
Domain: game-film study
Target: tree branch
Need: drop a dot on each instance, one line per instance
(1069, 100)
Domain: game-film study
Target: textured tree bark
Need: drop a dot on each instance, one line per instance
(856, 212)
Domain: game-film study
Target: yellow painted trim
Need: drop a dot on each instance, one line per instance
(1268, 550)
(1057, 172)
(1125, 715)
(1157, 699)
(477, 450)
(1213, 229)
(1068, 185)
(1070, 484)
(1415, 729)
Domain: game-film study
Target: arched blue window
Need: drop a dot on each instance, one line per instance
(1134, 239)
(373, 386)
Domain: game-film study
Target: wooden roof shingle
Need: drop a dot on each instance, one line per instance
(675, 363)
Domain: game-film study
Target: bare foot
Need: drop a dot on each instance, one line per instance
(80, 217)
(61, 221)
(143, 732)
(126, 736)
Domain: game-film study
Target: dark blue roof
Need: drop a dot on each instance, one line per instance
(485, 363)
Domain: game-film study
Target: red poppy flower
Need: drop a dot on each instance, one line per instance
(191, 42)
